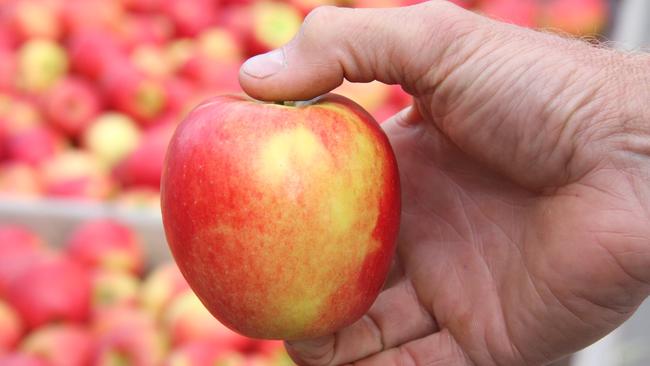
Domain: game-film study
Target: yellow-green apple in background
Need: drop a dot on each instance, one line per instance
(282, 216)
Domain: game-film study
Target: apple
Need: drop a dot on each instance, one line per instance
(138, 198)
(71, 104)
(111, 137)
(293, 206)
(52, 289)
(127, 336)
(17, 114)
(11, 327)
(107, 244)
(180, 92)
(152, 61)
(371, 96)
(13, 263)
(41, 63)
(60, 344)
(202, 353)
(91, 52)
(149, 29)
(33, 146)
(18, 239)
(190, 17)
(187, 320)
(520, 12)
(143, 167)
(21, 359)
(179, 51)
(8, 69)
(76, 174)
(81, 16)
(221, 77)
(576, 17)
(35, 19)
(219, 44)
(132, 92)
(161, 287)
(19, 180)
(143, 6)
(113, 288)
(273, 25)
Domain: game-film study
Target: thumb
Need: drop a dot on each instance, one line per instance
(360, 45)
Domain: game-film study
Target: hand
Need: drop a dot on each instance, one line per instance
(525, 169)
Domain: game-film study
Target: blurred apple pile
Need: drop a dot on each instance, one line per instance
(88, 303)
(91, 90)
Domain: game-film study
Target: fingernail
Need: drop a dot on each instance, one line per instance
(264, 65)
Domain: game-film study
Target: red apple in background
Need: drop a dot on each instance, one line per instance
(76, 174)
(180, 92)
(17, 238)
(71, 104)
(92, 52)
(34, 146)
(576, 17)
(152, 61)
(8, 69)
(143, 167)
(106, 243)
(11, 328)
(371, 96)
(111, 137)
(22, 359)
(138, 29)
(305, 6)
(52, 289)
(190, 17)
(113, 288)
(273, 25)
(219, 77)
(41, 63)
(60, 344)
(314, 187)
(80, 16)
(132, 92)
(35, 19)
(520, 12)
(219, 44)
(200, 353)
(18, 114)
(19, 180)
(161, 287)
(143, 5)
(187, 320)
(127, 336)
(179, 51)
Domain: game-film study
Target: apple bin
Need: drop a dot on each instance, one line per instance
(91, 92)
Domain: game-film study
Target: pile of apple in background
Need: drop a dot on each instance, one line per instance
(91, 90)
(87, 304)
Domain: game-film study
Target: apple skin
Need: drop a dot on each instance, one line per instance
(60, 344)
(11, 327)
(21, 359)
(520, 12)
(34, 145)
(111, 137)
(41, 63)
(113, 288)
(70, 105)
(187, 320)
(107, 244)
(53, 288)
(161, 287)
(92, 52)
(76, 174)
(576, 17)
(283, 219)
(19, 180)
(143, 167)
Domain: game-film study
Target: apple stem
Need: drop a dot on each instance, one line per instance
(287, 103)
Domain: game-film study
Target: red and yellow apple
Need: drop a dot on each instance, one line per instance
(60, 344)
(113, 288)
(11, 327)
(576, 17)
(161, 287)
(107, 244)
(282, 217)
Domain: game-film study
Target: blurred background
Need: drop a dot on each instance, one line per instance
(90, 93)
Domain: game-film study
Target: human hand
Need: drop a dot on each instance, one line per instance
(525, 170)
